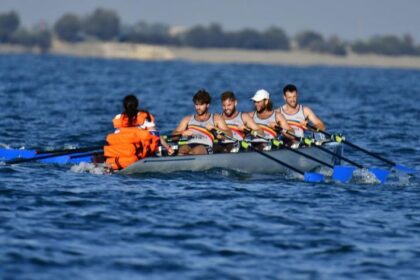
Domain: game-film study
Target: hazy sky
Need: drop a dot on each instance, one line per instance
(348, 19)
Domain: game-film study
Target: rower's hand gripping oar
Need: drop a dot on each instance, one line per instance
(340, 173)
(342, 139)
(380, 174)
(307, 176)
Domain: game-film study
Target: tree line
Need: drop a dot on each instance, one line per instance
(105, 25)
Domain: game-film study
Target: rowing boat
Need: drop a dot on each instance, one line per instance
(248, 161)
(245, 161)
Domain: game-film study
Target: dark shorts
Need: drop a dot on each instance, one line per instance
(208, 148)
(223, 148)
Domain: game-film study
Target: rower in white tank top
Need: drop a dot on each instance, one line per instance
(295, 120)
(234, 125)
(200, 134)
(269, 133)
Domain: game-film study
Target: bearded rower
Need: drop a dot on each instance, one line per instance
(238, 122)
(198, 127)
(297, 115)
(266, 117)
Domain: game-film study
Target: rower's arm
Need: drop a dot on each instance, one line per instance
(280, 120)
(221, 124)
(310, 115)
(250, 123)
(182, 126)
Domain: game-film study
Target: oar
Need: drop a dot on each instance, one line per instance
(340, 173)
(76, 150)
(380, 174)
(307, 176)
(56, 155)
(341, 139)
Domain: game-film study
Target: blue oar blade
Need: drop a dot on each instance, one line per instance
(58, 159)
(405, 169)
(78, 160)
(343, 174)
(381, 174)
(8, 154)
(313, 177)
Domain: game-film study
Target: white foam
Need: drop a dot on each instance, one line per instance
(364, 176)
(93, 168)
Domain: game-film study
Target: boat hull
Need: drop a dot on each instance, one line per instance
(248, 162)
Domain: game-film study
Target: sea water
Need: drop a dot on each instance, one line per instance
(75, 222)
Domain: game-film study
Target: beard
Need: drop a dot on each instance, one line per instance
(229, 113)
(261, 109)
(201, 112)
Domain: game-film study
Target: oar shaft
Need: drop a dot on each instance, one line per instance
(390, 162)
(339, 156)
(264, 154)
(309, 157)
(77, 150)
(278, 161)
(330, 152)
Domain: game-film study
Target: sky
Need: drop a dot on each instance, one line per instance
(350, 20)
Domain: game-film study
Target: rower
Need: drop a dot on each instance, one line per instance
(268, 119)
(238, 122)
(198, 127)
(297, 115)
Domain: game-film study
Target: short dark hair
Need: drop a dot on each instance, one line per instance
(289, 88)
(228, 95)
(202, 97)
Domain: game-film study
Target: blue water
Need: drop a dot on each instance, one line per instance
(68, 223)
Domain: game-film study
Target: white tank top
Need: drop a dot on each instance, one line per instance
(200, 134)
(269, 133)
(234, 124)
(294, 120)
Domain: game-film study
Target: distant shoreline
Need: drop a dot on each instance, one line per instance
(156, 52)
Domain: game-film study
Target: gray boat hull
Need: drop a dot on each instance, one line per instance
(248, 162)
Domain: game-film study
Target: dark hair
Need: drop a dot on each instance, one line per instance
(202, 97)
(228, 95)
(289, 88)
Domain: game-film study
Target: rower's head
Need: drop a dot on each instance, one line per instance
(262, 101)
(229, 103)
(202, 100)
(290, 95)
(130, 103)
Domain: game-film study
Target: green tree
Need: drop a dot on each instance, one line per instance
(68, 28)
(276, 38)
(9, 23)
(386, 45)
(307, 38)
(102, 24)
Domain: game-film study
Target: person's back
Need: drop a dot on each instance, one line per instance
(133, 138)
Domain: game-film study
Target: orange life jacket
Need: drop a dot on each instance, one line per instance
(121, 120)
(127, 145)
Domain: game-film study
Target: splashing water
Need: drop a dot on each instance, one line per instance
(92, 168)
